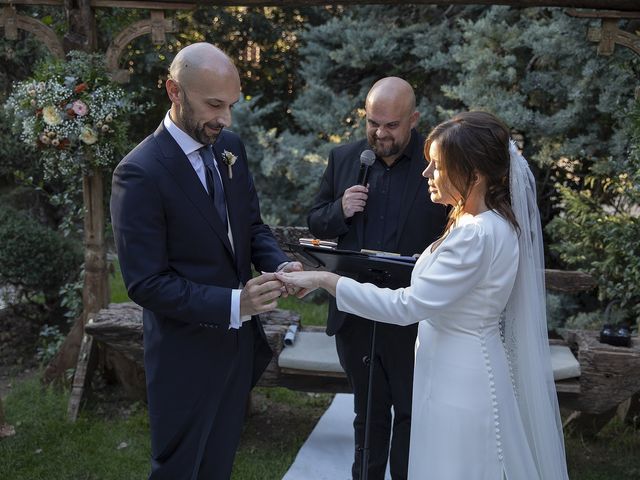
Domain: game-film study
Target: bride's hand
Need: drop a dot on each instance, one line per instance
(309, 281)
(305, 281)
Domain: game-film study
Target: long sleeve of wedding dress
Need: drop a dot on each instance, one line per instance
(465, 421)
(440, 279)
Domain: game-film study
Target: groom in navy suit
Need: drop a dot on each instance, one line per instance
(187, 226)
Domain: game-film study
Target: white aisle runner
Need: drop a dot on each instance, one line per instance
(328, 452)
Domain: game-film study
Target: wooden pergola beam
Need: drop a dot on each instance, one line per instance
(622, 5)
(628, 5)
(148, 5)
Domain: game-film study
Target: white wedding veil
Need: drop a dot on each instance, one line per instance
(525, 332)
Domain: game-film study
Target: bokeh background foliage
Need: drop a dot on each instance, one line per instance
(306, 70)
(305, 73)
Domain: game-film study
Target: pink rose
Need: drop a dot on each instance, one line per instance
(80, 108)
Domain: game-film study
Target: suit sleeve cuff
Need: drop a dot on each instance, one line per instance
(282, 265)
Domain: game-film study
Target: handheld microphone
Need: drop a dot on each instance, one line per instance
(367, 159)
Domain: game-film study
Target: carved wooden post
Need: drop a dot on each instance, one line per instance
(608, 35)
(82, 26)
(95, 292)
(12, 22)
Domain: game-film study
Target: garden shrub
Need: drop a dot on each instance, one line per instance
(600, 227)
(35, 259)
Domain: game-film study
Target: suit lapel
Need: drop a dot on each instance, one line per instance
(177, 163)
(228, 185)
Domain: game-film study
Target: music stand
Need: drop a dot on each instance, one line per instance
(379, 269)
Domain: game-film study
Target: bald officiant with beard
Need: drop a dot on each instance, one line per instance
(392, 213)
(187, 226)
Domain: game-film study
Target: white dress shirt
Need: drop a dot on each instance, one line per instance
(191, 148)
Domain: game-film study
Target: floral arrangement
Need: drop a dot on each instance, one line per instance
(73, 114)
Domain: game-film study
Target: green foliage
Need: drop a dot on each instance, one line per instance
(116, 447)
(586, 321)
(50, 201)
(310, 313)
(600, 227)
(116, 285)
(49, 342)
(535, 69)
(16, 62)
(612, 455)
(71, 297)
(47, 446)
(532, 67)
(305, 72)
(35, 258)
(559, 308)
(262, 41)
(340, 60)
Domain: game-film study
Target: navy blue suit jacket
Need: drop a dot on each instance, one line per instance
(178, 264)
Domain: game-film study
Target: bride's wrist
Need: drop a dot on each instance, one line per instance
(322, 279)
(328, 281)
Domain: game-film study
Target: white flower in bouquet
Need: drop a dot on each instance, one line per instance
(88, 136)
(51, 116)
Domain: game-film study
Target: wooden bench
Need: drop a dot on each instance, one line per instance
(591, 378)
(310, 364)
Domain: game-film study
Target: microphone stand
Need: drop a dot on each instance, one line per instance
(364, 459)
(367, 159)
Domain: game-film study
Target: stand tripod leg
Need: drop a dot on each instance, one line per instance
(364, 464)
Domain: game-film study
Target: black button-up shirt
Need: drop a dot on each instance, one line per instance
(382, 211)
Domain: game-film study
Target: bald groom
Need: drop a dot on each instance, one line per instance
(187, 227)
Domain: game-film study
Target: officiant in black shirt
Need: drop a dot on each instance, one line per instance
(393, 214)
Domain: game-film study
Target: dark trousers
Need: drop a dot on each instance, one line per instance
(205, 446)
(392, 387)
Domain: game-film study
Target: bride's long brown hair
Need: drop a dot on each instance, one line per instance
(472, 143)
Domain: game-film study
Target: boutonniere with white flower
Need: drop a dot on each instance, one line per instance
(229, 159)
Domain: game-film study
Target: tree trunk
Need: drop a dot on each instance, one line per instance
(95, 292)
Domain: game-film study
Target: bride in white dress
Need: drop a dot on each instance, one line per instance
(484, 401)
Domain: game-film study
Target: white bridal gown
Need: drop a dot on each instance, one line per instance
(465, 422)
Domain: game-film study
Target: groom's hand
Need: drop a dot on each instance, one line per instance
(303, 282)
(260, 294)
(288, 289)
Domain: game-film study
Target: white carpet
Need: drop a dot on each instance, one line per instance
(328, 452)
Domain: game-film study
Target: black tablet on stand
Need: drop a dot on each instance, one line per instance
(383, 270)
